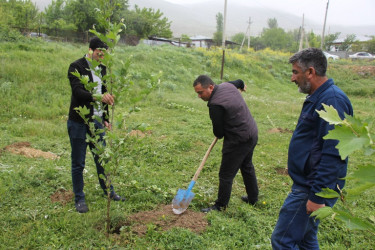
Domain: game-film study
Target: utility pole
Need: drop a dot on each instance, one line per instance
(247, 32)
(302, 33)
(248, 40)
(223, 44)
(324, 26)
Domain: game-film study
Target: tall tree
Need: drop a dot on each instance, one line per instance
(314, 40)
(24, 13)
(276, 38)
(56, 18)
(329, 39)
(347, 43)
(82, 14)
(147, 22)
(371, 45)
(218, 35)
(6, 16)
(238, 38)
(272, 23)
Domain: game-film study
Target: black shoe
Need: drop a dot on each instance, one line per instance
(246, 199)
(116, 197)
(213, 208)
(81, 207)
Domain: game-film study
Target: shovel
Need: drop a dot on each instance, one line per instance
(183, 197)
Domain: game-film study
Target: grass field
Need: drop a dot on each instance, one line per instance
(35, 100)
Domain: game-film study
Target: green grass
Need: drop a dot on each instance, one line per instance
(35, 99)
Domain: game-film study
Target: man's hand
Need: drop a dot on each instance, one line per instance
(244, 88)
(108, 99)
(108, 125)
(312, 206)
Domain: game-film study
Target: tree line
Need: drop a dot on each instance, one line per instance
(72, 19)
(276, 38)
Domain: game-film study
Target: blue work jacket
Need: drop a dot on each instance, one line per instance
(313, 162)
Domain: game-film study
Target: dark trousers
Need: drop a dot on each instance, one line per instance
(295, 229)
(77, 135)
(237, 158)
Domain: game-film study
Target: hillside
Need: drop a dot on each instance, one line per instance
(163, 145)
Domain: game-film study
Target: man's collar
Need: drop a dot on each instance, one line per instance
(314, 96)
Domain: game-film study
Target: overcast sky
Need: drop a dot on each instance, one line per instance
(343, 12)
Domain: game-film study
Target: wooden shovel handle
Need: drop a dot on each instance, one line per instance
(204, 160)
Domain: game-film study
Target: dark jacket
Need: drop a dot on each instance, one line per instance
(315, 163)
(229, 111)
(80, 96)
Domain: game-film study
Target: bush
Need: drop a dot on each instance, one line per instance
(10, 35)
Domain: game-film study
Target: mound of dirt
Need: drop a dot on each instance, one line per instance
(63, 196)
(280, 130)
(363, 70)
(138, 133)
(164, 219)
(25, 149)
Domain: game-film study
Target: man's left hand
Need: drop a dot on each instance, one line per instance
(108, 98)
(108, 125)
(312, 206)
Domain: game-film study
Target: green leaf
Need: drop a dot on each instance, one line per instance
(328, 193)
(354, 223)
(322, 213)
(364, 174)
(330, 115)
(348, 141)
(358, 190)
(351, 133)
(83, 111)
(357, 124)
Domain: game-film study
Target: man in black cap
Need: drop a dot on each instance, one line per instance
(77, 129)
(231, 119)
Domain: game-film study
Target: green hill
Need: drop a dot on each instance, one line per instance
(173, 131)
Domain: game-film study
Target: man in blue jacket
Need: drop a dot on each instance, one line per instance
(313, 163)
(77, 129)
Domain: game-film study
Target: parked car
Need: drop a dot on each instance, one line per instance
(361, 55)
(36, 34)
(330, 56)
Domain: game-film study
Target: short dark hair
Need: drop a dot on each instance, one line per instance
(95, 43)
(311, 57)
(204, 81)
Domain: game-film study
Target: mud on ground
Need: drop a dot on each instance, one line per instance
(25, 149)
(162, 217)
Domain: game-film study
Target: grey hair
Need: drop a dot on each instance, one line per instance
(311, 57)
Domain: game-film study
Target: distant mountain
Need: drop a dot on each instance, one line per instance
(200, 19)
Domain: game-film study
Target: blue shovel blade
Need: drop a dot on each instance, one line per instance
(182, 199)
